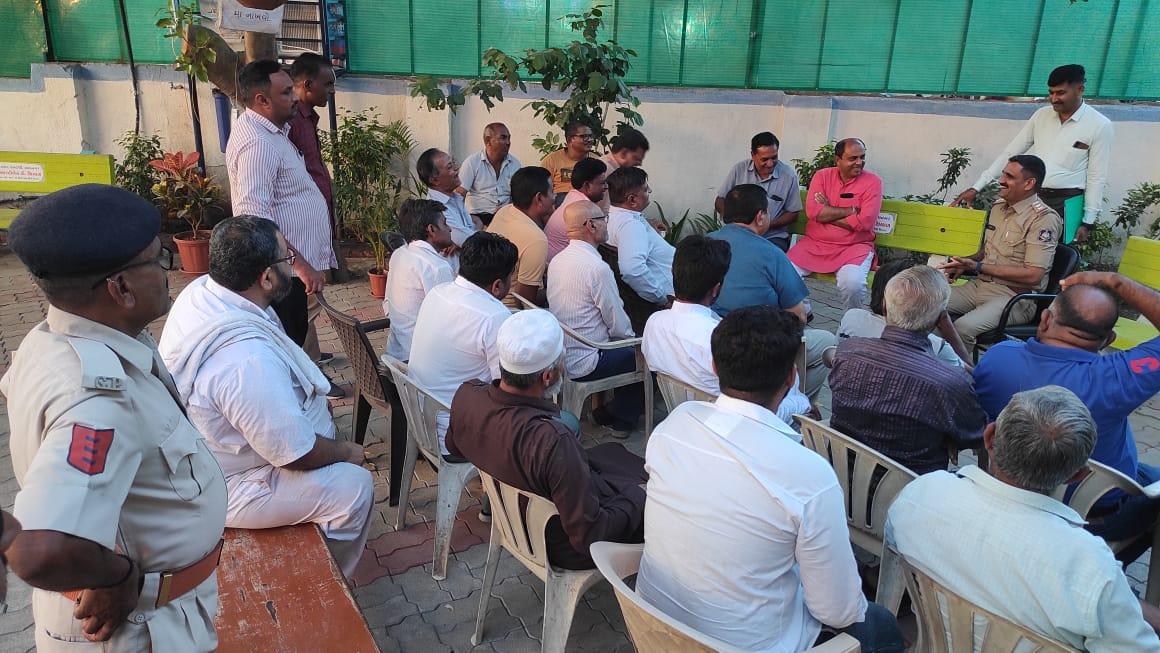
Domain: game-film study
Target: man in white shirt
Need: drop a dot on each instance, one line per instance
(588, 183)
(438, 171)
(259, 400)
(582, 295)
(745, 535)
(415, 270)
(676, 340)
(996, 537)
(1073, 139)
(454, 339)
(644, 259)
(485, 177)
(269, 179)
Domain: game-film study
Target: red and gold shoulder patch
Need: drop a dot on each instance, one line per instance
(89, 449)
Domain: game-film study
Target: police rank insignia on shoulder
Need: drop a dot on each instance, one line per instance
(1046, 235)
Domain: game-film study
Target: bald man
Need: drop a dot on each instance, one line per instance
(1066, 352)
(582, 295)
(485, 178)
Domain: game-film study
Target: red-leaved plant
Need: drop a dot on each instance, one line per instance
(183, 191)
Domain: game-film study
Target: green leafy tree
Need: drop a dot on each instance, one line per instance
(368, 190)
(197, 50)
(133, 172)
(823, 158)
(1137, 202)
(591, 72)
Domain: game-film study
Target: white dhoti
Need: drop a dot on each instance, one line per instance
(337, 497)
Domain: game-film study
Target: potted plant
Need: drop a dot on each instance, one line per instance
(369, 183)
(184, 192)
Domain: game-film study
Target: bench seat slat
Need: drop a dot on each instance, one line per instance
(280, 590)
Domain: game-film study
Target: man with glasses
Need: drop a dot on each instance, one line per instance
(259, 400)
(1065, 351)
(117, 489)
(578, 143)
(582, 295)
(643, 257)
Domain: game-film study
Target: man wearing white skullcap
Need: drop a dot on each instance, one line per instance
(511, 430)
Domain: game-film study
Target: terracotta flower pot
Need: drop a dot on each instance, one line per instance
(193, 248)
(378, 283)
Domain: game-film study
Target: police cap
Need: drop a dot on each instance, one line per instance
(83, 230)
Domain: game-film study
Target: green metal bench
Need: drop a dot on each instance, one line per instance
(40, 173)
(918, 227)
(1141, 262)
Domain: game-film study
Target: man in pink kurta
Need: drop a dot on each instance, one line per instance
(842, 203)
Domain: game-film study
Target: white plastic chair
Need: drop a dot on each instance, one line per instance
(574, 393)
(948, 623)
(421, 409)
(653, 631)
(518, 520)
(1092, 488)
(677, 392)
(857, 467)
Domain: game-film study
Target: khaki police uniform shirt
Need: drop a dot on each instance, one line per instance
(1024, 233)
(103, 451)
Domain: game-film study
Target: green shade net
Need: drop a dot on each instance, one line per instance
(21, 37)
(92, 30)
(957, 47)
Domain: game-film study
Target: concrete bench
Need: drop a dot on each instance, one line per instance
(1141, 262)
(918, 227)
(280, 591)
(40, 173)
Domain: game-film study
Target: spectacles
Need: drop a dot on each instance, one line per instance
(603, 217)
(164, 259)
(587, 137)
(289, 258)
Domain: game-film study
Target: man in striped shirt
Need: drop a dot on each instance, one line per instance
(582, 294)
(268, 179)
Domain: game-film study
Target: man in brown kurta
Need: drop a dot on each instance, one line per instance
(511, 431)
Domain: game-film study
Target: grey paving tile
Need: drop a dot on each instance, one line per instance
(414, 634)
(516, 642)
(390, 613)
(377, 593)
(420, 589)
(460, 582)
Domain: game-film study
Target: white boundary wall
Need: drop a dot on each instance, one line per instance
(696, 134)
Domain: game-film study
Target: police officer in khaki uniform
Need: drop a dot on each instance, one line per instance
(122, 504)
(1022, 233)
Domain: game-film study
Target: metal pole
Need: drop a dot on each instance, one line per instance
(195, 112)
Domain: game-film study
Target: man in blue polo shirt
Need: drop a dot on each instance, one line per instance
(1066, 352)
(761, 275)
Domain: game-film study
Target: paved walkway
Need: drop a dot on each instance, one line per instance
(405, 608)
